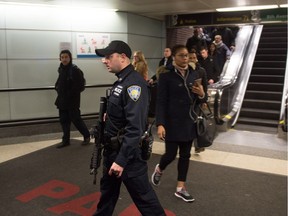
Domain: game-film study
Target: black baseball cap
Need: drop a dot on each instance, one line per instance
(115, 46)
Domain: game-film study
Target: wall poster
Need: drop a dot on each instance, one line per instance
(65, 46)
(88, 42)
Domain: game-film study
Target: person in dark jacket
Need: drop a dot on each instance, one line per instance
(127, 111)
(175, 117)
(207, 62)
(195, 42)
(166, 61)
(69, 85)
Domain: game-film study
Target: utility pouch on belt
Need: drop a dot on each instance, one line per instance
(112, 143)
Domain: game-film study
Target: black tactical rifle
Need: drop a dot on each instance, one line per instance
(98, 133)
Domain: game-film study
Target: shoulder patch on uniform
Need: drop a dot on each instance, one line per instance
(134, 92)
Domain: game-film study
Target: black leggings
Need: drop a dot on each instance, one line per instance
(171, 149)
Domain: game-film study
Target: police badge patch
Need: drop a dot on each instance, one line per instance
(134, 92)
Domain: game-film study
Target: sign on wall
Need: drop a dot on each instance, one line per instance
(224, 18)
(88, 42)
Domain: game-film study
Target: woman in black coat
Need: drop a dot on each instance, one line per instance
(177, 93)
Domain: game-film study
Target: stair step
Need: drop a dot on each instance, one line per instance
(268, 71)
(268, 39)
(261, 110)
(266, 78)
(260, 113)
(275, 28)
(276, 64)
(267, 57)
(261, 104)
(270, 45)
(258, 122)
(272, 50)
(277, 87)
(256, 128)
(252, 94)
(273, 34)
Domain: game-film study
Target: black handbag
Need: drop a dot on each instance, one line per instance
(206, 127)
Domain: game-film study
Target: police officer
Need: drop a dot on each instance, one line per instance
(127, 111)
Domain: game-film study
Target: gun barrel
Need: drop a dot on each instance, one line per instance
(98, 135)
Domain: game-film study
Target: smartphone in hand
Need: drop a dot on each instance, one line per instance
(198, 82)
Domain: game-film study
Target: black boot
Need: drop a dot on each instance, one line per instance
(62, 144)
(86, 141)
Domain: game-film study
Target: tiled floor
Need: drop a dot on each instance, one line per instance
(241, 149)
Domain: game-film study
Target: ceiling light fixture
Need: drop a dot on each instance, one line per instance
(283, 5)
(247, 8)
(58, 6)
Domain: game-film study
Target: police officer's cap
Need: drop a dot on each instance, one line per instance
(115, 46)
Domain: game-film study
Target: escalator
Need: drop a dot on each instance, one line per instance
(262, 102)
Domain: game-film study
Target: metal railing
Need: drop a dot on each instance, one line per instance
(43, 120)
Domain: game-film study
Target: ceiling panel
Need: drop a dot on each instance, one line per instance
(157, 8)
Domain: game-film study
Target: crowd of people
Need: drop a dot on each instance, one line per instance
(181, 81)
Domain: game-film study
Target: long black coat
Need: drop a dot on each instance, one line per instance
(174, 105)
(69, 86)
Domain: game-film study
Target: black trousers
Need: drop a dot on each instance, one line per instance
(74, 116)
(138, 187)
(171, 149)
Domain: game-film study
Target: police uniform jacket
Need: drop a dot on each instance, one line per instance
(174, 109)
(127, 109)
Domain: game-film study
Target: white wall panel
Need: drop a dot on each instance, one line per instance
(32, 73)
(150, 46)
(4, 106)
(2, 44)
(37, 17)
(90, 99)
(32, 38)
(35, 44)
(95, 71)
(144, 26)
(99, 22)
(33, 104)
(3, 74)
(152, 66)
(2, 17)
(123, 37)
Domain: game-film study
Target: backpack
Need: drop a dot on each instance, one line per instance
(82, 81)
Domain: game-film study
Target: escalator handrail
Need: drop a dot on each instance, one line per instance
(284, 102)
(248, 62)
(230, 73)
(233, 65)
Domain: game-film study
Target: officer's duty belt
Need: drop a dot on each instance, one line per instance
(112, 143)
